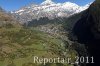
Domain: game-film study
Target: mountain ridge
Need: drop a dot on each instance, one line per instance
(48, 9)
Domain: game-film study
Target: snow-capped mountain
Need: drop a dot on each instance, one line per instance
(48, 9)
(1, 10)
(47, 2)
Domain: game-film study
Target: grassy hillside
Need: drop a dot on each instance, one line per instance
(19, 45)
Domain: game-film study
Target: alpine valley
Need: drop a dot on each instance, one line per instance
(49, 30)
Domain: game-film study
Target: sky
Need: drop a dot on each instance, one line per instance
(11, 5)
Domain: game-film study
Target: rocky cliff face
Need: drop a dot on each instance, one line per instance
(94, 11)
(90, 22)
(87, 30)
